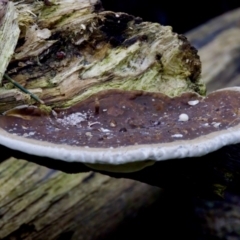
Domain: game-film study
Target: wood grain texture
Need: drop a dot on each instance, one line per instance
(40, 203)
(218, 42)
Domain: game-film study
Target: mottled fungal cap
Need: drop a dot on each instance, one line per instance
(119, 130)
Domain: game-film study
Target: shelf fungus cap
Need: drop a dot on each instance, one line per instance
(117, 130)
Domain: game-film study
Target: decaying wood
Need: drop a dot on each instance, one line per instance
(72, 49)
(40, 203)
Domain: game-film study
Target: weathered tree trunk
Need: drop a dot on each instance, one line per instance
(40, 203)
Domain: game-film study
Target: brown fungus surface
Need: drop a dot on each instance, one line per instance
(116, 118)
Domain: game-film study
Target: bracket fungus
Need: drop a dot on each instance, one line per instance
(124, 93)
(125, 131)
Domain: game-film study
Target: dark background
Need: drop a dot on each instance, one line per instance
(181, 15)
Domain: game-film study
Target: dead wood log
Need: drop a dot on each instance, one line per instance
(50, 214)
(71, 50)
(39, 203)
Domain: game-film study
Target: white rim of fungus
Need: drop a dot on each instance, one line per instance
(136, 153)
